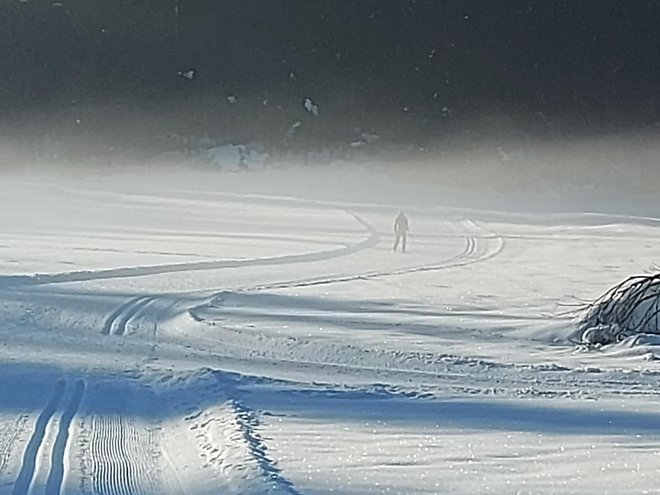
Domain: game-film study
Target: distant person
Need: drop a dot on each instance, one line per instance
(400, 231)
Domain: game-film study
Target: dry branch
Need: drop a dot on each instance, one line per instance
(629, 308)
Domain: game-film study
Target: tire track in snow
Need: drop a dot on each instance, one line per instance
(117, 321)
(56, 475)
(28, 467)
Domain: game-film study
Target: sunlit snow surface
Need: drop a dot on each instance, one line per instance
(252, 333)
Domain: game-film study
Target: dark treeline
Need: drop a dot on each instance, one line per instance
(591, 62)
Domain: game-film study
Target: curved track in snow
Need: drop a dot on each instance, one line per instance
(477, 248)
(371, 240)
(116, 323)
(480, 246)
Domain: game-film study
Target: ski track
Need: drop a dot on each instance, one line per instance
(57, 470)
(34, 445)
(474, 251)
(117, 321)
(371, 240)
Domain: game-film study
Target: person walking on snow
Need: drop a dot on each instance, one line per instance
(400, 231)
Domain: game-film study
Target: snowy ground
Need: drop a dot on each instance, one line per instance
(253, 333)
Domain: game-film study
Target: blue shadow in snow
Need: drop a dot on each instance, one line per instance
(29, 386)
(380, 404)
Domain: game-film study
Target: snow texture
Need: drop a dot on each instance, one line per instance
(197, 332)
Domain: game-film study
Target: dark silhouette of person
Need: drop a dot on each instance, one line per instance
(400, 231)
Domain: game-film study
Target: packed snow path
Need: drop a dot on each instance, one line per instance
(254, 333)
